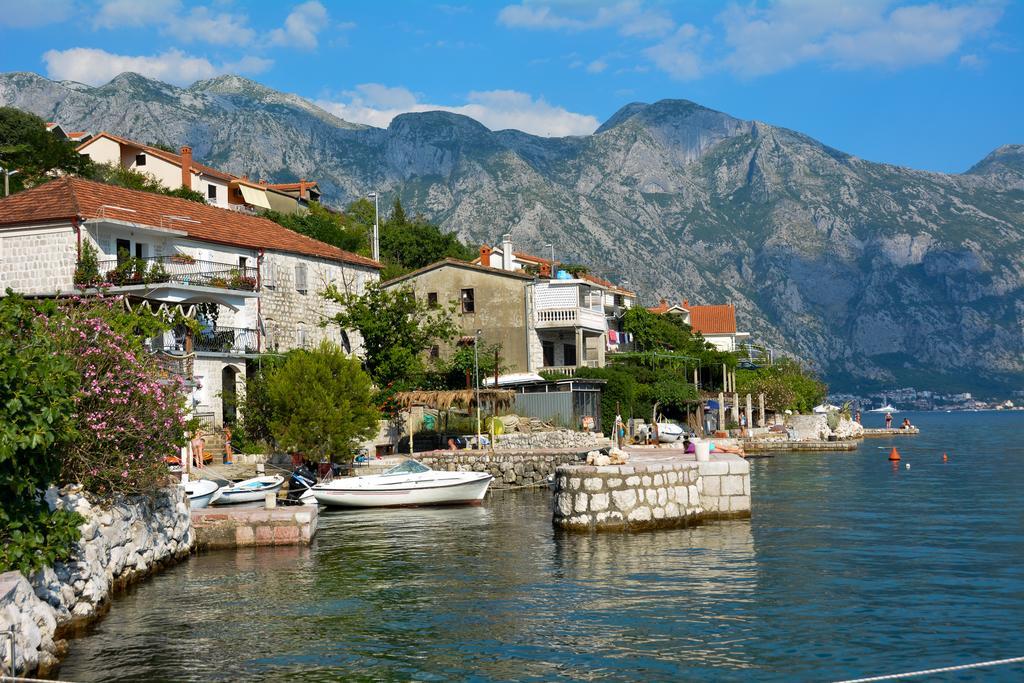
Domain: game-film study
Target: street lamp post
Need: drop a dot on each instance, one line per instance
(552, 248)
(476, 374)
(376, 227)
(7, 180)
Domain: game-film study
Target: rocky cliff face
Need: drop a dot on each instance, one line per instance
(883, 275)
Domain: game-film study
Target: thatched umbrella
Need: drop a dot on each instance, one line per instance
(460, 398)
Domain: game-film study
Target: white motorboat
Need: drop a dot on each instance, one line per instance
(825, 408)
(887, 408)
(410, 483)
(200, 492)
(669, 432)
(248, 491)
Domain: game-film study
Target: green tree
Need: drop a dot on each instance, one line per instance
(786, 385)
(453, 370)
(35, 152)
(325, 225)
(396, 329)
(37, 389)
(321, 403)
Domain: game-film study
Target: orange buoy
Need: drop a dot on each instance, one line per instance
(945, 458)
(894, 454)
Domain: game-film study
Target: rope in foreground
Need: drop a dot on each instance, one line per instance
(928, 672)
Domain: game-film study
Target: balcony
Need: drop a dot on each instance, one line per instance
(555, 318)
(228, 341)
(178, 269)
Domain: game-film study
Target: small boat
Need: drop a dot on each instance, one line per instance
(200, 492)
(248, 491)
(884, 409)
(669, 432)
(409, 483)
(825, 408)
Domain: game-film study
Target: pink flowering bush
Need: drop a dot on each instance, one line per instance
(128, 415)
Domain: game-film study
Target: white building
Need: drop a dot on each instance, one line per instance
(716, 323)
(181, 170)
(253, 284)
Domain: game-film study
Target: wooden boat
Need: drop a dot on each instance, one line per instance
(248, 491)
(200, 492)
(410, 483)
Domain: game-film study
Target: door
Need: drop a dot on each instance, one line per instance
(228, 395)
(124, 250)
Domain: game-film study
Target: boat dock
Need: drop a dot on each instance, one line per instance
(906, 431)
(239, 527)
(766, 445)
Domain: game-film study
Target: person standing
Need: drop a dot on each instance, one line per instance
(888, 420)
(857, 417)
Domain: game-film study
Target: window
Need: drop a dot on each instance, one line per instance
(569, 354)
(300, 336)
(211, 191)
(346, 344)
(243, 262)
(548, 349)
(140, 159)
(618, 300)
(140, 250)
(432, 299)
(268, 274)
(435, 351)
(123, 250)
(300, 278)
(468, 302)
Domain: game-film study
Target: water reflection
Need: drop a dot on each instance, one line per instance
(846, 568)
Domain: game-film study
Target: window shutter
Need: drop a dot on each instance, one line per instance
(300, 278)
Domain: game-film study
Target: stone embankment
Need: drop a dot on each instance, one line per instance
(558, 439)
(653, 491)
(509, 469)
(234, 527)
(121, 543)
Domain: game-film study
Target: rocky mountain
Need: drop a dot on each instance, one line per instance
(883, 275)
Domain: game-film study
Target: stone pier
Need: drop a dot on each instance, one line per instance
(655, 490)
(234, 527)
(510, 469)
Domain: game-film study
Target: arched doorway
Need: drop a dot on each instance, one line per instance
(229, 394)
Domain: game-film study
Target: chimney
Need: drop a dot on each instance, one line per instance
(186, 167)
(485, 255)
(545, 269)
(686, 303)
(302, 189)
(506, 252)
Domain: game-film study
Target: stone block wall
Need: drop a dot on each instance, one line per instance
(237, 528)
(38, 260)
(651, 495)
(558, 439)
(508, 469)
(120, 544)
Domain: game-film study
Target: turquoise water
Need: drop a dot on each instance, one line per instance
(849, 567)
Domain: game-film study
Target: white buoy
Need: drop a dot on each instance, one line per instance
(908, 465)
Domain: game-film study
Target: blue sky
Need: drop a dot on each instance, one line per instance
(927, 84)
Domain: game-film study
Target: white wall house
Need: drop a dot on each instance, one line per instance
(716, 323)
(252, 284)
(182, 170)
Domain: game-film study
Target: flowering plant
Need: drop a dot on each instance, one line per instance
(128, 415)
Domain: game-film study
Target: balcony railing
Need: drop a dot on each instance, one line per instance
(178, 269)
(571, 317)
(227, 340)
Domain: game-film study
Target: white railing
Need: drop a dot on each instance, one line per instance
(566, 370)
(571, 317)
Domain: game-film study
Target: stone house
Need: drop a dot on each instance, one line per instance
(180, 170)
(252, 284)
(542, 324)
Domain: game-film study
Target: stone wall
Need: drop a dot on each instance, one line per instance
(38, 260)
(226, 527)
(651, 495)
(558, 439)
(120, 544)
(508, 469)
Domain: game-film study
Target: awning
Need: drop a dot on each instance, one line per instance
(281, 202)
(254, 196)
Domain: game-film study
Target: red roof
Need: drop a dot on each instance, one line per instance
(69, 197)
(522, 256)
(309, 184)
(718, 319)
(160, 154)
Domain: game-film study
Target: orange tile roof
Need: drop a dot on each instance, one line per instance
(523, 256)
(68, 197)
(160, 154)
(718, 319)
(293, 186)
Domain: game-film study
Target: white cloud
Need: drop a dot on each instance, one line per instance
(597, 66)
(848, 35)
(376, 105)
(629, 16)
(972, 62)
(301, 27)
(95, 67)
(19, 14)
(116, 13)
(680, 55)
(218, 29)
